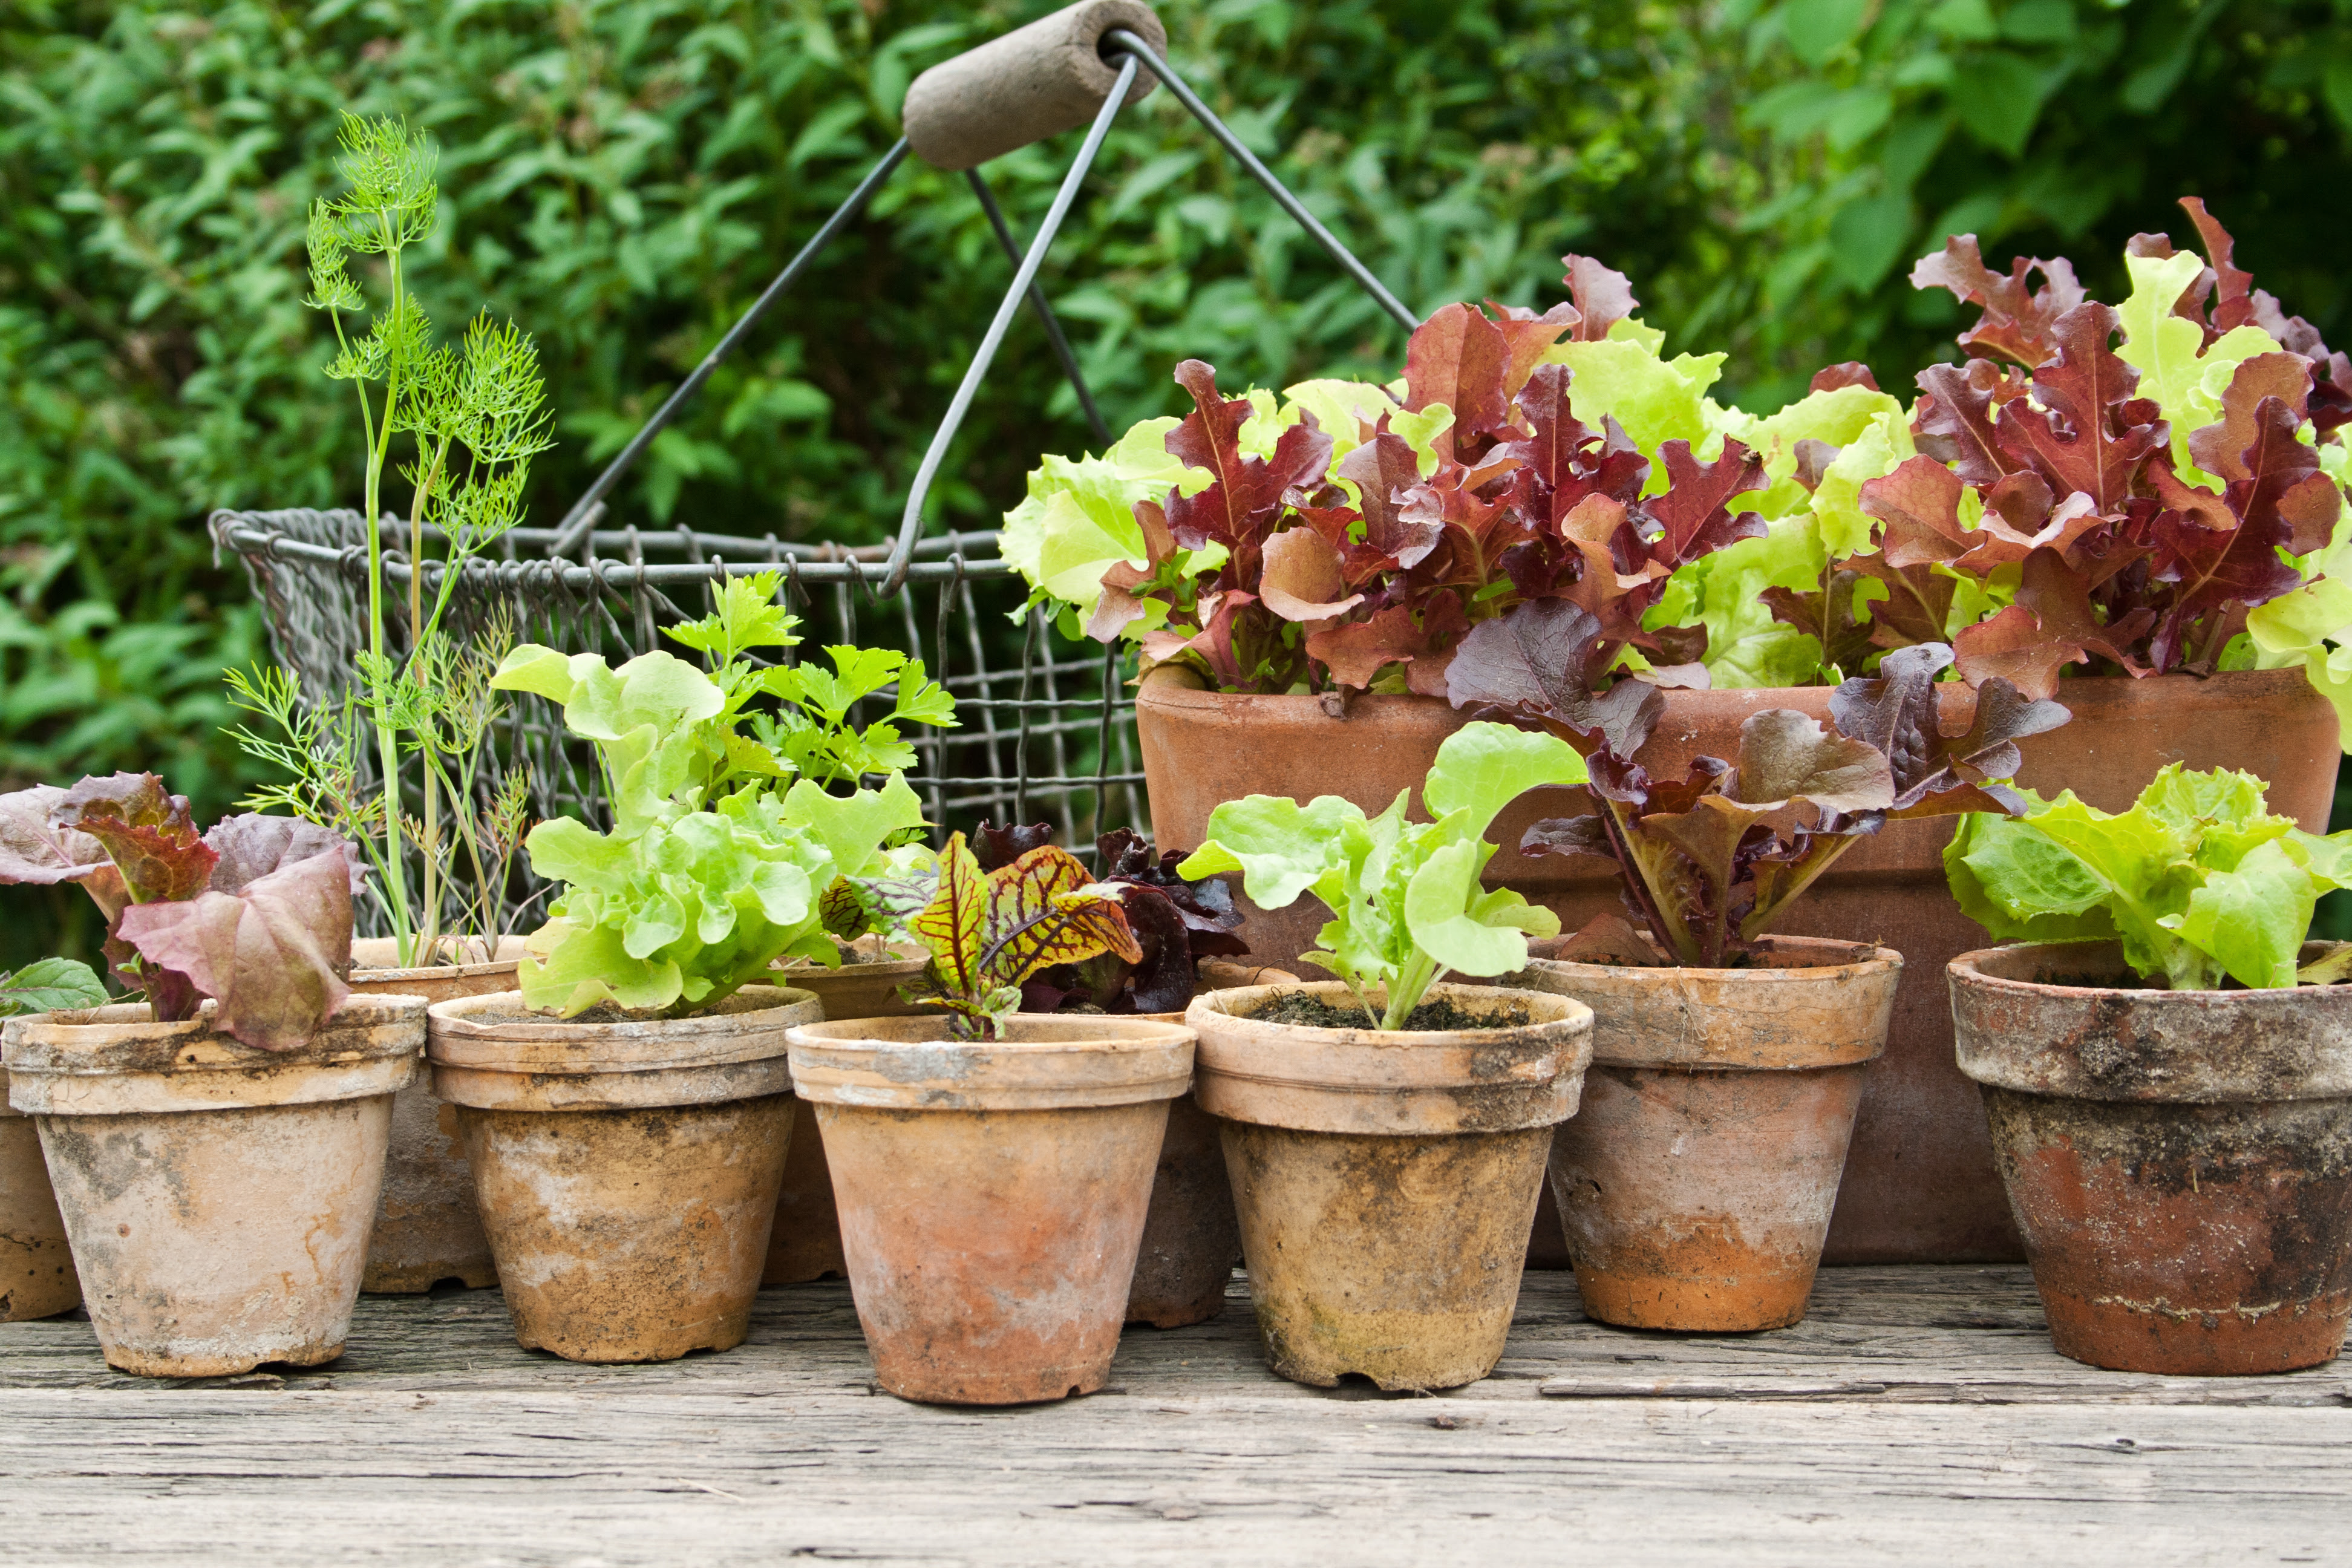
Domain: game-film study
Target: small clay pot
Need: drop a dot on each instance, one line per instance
(991, 1192)
(426, 1228)
(217, 1197)
(2180, 1162)
(627, 1171)
(36, 1272)
(1694, 1187)
(806, 1243)
(1385, 1180)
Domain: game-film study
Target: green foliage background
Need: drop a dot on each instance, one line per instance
(622, 176)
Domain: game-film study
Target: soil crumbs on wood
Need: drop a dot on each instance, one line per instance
(1429, 1016)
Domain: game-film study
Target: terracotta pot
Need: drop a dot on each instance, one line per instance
(991, 1192)
(217, 1197)
(1191, 1239)
(1919, 1185)
(627, 1171)
(426, 1228)
(1697, 1183)
(1385, 1180)
(806, 1243)
(2181, 1162)
(36, 1272)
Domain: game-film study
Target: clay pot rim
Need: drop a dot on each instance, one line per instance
(1316, 1079)
(1097, 1060)
(130, 1023)
(750, 1026)
(1326, 1035)
(1173, 692)
(367, 974)
(83, 1064)
(1969, 969)
(1125, 1031)
(1881, 959)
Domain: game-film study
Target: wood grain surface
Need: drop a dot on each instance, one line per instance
(1917, 1415)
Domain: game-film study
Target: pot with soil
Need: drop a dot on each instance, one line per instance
(426, 1228)
(2170, 1093)
(36, 1272)
(1385, 1132)
(806, 1242)
(218, 1198)
(1696, 1184)
(625, 1168)
(2180, 1163)
(991, 1192)
(1385, 1179)
(1920, 1185)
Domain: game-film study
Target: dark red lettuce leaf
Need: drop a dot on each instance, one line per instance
(994, 847)
(1541, 662)
(2016, 323)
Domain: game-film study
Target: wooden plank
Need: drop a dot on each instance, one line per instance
(1919, 1412)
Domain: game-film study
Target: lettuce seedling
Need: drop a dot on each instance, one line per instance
(255, 915)
(990, 931)
(680, 914)
(1405, 902)
(2198, 880)
(1709, 862)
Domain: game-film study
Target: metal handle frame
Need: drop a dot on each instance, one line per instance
(579, 524)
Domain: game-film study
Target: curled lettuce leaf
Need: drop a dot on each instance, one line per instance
(2199, 882)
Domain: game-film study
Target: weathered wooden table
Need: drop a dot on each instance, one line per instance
(1919, 1415)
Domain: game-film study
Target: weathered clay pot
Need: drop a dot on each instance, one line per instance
(991, 1192)
(1696, 1183)
(426, 1228)
(806, 1242)
(218, 1198)
(2181, 1162)
(1385, 1180)
(627, 1171)
(1919, 1185)
(36, 1272)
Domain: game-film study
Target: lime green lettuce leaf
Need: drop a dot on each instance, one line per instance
(2312, 627)
(2186, 378)
(1078, 518)
(1405, 901)
(2198, 880)
(1746, 648)
(1655, 400)
(658, 724)
(1883, 445)
(1839, 418)
(678, 915)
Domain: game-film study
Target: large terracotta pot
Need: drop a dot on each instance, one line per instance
(2180, 1161)
(1920, 1181)
(806, 1242)
(36, 1272)
(218, 1198)
(1697, 1181)
(627, 1171)
(426, 1228)
(991, 1192)
(1385, 1179)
